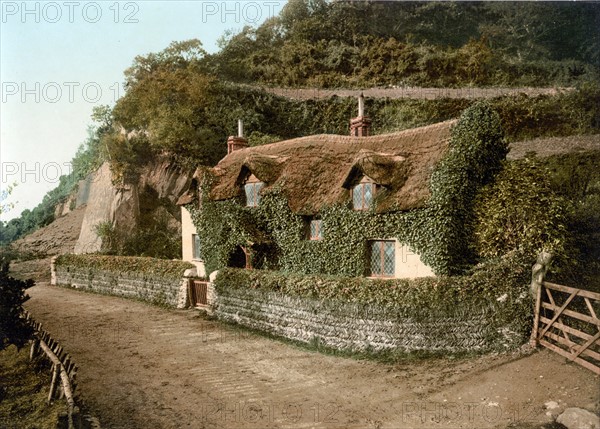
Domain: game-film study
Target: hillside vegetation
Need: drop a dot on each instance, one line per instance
(366, 43)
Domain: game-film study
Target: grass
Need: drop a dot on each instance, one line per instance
(24, 388)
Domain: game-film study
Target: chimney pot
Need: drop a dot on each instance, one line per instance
(237, 142)
(361, 125)
(240, 128)
(361, 105)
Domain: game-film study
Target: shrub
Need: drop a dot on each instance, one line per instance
(13, 327)
(520, 211)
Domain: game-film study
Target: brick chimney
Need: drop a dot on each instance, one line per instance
(237, 142)
(361, 125)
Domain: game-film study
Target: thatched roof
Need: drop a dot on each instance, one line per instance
(318, 170)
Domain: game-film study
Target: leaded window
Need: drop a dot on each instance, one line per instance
(363, 194)
(195, 246)
(382, 254)
(316, 229)
(252, 191)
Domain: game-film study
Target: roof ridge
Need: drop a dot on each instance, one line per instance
(351, 139)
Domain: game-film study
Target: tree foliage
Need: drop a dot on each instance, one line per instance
(13, 327)
(329, 44)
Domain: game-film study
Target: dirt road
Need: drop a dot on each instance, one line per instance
(148, 367)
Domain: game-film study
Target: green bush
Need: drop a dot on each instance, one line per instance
(520, 211)
(13, 327)
(576, 178)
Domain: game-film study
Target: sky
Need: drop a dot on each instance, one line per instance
(59, 59)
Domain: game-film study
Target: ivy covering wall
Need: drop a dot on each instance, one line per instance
(171, 269)
(488, 309)
(440, 232)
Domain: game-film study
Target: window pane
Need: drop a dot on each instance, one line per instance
(357, 197)
(316, 229)
(376, 258)
(252, 193)
(388, 258)
(368, 193)
(195, 246)
(250, 201)
(257, 189)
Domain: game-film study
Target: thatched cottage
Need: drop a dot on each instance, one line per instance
(364, 173)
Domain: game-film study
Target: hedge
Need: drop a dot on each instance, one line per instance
(169, 269)
(500, 286)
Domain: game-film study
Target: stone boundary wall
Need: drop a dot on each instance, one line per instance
(153, 289)
(359, 327)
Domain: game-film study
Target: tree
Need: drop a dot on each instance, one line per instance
(167, 104)
(4, 206)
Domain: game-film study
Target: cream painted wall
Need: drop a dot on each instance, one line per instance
(187, 231)
(409, 264)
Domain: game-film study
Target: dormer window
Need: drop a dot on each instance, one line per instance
(363, 194)
(252, 188)
(316, 230)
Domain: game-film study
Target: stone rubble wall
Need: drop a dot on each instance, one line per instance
(359, 327)
(153, 289)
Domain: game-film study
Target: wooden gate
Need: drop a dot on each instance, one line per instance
(198, 292)
(567, 323)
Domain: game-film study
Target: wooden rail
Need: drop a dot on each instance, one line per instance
(64, 373)
(561, 325)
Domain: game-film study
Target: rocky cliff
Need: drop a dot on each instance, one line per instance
(128, 207)
(148, 204)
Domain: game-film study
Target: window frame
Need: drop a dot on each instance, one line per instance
(383, 274)
(365, 181)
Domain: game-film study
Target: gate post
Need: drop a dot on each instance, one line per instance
(538, 273)
(539, 270)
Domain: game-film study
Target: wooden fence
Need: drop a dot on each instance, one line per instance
(566, 322)
(64, 374)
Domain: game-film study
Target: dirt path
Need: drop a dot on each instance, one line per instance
(147, 367)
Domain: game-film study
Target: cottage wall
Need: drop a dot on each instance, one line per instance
(409, 264)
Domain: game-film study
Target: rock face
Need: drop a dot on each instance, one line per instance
(58, 237)
(159, 186)
(103, 197)
(578, 418)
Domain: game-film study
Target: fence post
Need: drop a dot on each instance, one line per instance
(538, 273)
(34, 347)
(55, 372)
